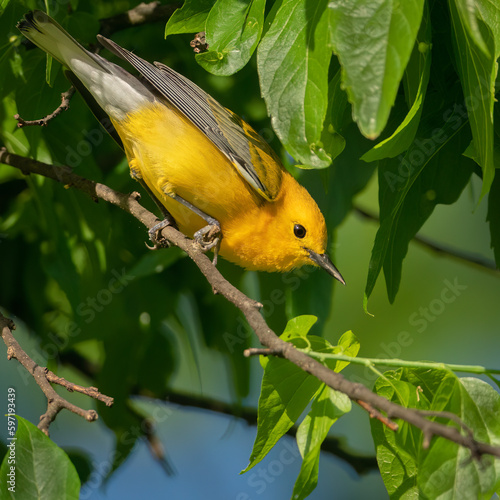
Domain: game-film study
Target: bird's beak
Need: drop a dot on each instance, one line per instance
(322, 260)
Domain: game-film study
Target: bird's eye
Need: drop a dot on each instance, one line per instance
(299, 230)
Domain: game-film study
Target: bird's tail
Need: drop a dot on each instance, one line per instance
(51, 37)
(115, 90)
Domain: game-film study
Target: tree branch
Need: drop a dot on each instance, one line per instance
(43, 377)
(251, 308)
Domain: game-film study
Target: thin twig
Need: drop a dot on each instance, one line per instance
(92, 392)
(250, 308)
(55, 402)
(43, 122)
(374, 413)
(259, 351)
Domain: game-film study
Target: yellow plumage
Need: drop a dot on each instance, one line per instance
(172, 156)
(192, 153)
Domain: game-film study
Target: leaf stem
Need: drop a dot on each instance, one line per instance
(370, 362)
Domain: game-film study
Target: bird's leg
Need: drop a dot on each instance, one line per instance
(207, 237)
(168, 220)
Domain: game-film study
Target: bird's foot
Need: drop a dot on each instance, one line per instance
(209, 237)
(155, 235)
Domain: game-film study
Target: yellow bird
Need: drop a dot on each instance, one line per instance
(203, 165)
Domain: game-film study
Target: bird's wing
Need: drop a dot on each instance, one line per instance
(248, 152)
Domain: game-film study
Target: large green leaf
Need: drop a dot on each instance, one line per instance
(373, 41)
(417, 72)
(333, 142)
(447, 470)
(190, 18)
(396, 452)
(57, 252)
(348, 176)
(468, 14)
(293, 59)
(432, 171)
(287, 389)
(444, 470)
(326, 409)
(40, 469)
(477, 71)
(233, 29)
(489, 12)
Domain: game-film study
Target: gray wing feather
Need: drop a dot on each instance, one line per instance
(203, 111)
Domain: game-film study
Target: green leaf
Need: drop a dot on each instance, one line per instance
(293, 59)
(373, 41)
(298, 327)
(348, 345)
(493, 217)
(155, 262)
(41, 469)
(48, 71)
(82, 463)
(468, 10)
(348, 176)
(489, 12)
(333, 142)
(286, 391)
(418, 70)
(190, 18)
(477, 72)
(233, 30)
(446, 470)
(56, 253)
(395, 452)
(326, 409)
(471, 152)
(432, 171)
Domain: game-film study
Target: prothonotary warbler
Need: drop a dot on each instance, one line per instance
(201, 163)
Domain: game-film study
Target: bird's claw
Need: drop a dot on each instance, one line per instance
(155, 235)
(208, 237)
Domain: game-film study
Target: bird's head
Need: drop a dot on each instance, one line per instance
(288, 232)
